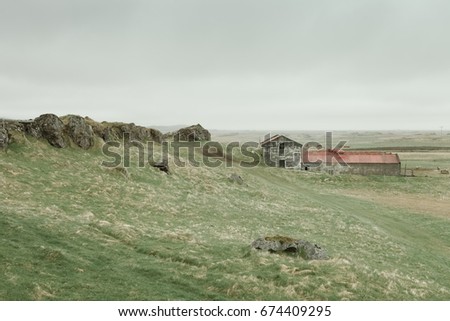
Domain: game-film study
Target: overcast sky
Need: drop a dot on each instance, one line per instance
(229, 64)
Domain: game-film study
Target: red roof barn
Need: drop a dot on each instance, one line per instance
(354, 162)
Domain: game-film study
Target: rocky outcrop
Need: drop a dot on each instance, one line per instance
(60, 132)
(4, 138)
(115, 131)
(50, 127)
(15, 131)
(144, 134)
(193, 133)
(79, 131)
(282, 244)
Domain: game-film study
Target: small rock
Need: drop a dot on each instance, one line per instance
(282, 244)
(444, 171)
(235, 178)
(121, 170)
(162, 166)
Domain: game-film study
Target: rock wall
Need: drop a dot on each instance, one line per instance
(62, 132)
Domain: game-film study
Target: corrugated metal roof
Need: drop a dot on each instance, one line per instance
(350, 157)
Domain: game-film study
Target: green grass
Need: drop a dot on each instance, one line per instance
(73, 230)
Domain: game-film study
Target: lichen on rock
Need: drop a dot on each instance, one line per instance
(193, 133)
(79, 131)
(50, 127)
(287, 245)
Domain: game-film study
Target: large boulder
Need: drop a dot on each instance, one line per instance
(143, 134)
(98, 128)
(193, 133)
(115, 131)
(4, 138)
(50, 127)
(282, 244)
(79, 131)
(13, 131)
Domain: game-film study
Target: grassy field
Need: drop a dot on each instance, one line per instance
(71, 229)
(354, 139)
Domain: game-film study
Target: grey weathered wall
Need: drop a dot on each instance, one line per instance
(375, 169)
(359, 169)
(291, 155)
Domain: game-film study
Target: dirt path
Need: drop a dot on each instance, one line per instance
(439, 207)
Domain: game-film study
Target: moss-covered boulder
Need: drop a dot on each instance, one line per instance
(287, 245)
(49, 127)
(193, 133)
(79, 131)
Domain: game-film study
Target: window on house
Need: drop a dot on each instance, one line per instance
(281, 151)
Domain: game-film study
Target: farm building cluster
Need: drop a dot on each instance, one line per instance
(281, 151)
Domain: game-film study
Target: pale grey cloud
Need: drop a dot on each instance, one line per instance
(286, 64)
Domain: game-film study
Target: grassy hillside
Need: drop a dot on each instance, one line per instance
(71, 229)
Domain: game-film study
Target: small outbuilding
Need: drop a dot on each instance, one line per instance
(281, 151)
